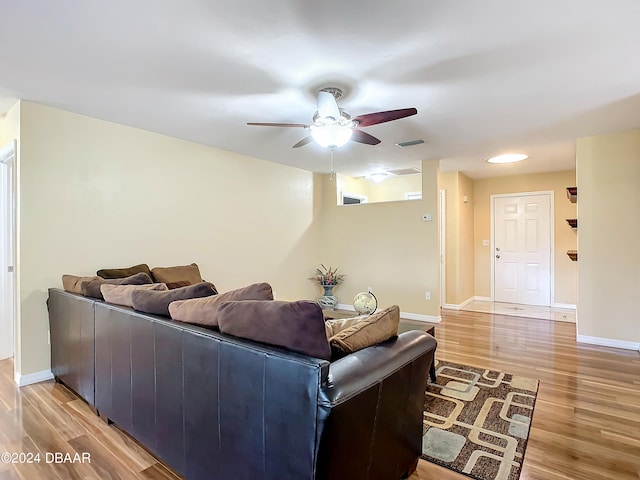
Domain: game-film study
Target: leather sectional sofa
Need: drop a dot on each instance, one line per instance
(214, 406)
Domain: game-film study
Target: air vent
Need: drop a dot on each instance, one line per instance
(405, 171)
(410, 143)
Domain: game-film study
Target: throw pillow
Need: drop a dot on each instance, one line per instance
(110, 273)
(181, 283)
(121, 294)
(373, 329)
(92, 288)
(150, 301)
(334, 326)
(73, 283)
(296, 326)
(204, 311)
(185, 273)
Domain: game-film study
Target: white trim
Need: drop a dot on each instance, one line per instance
(443, 247)
(552, 253)
(482, 299)
(568, 306)
(31, 378)
(460, 306)
(608, 342)
(405, 315)
(357, 196)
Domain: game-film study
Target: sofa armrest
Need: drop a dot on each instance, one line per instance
(360, 370)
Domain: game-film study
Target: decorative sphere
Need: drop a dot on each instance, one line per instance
(365, 303)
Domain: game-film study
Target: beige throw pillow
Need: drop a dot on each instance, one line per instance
(333, 327)
(204, 311)
(121, 294)
(73, 283)
(369, 331)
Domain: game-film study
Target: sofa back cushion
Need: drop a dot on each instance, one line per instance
(110, 273)
(157, 302)
(204, 311)
(121, 294)
(296, 326)
(73, 283)
(92, 288)
(183, 273)
(368, 331)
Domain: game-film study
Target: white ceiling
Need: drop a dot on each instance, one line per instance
(486, 76)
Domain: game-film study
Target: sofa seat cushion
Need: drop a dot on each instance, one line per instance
(73, 283)
(367, 331)
(92, 288)
(110, 273)
(121, 294)
(157, 302)
(204, 311)
(297, 326)
(183, 273)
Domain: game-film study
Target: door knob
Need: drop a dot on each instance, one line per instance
(497, 256)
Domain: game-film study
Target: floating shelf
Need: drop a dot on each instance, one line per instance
(573, 222)
(573, 255)
(572, 194)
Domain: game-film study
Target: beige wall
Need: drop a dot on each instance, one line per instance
(608, 174)
(96, 194)
(386, 246)
(459, 234)
(565, 276)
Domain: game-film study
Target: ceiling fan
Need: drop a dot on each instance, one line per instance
(332, 127)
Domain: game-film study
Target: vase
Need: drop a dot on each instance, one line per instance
(328, 300)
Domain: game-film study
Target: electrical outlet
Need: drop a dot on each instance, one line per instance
(426, 217)
(275, 295)
(485, 243)
(427, 295)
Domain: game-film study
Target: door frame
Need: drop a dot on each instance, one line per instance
(552, 253)
(8, 155)
(443, 248)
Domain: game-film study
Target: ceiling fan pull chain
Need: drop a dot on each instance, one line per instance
(331, 175)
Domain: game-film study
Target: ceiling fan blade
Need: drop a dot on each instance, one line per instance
(303, 142)
(268, 124)
(327, 106)
(363, 137)
(381, 117)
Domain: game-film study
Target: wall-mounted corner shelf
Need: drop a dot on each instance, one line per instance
(573, 255)
(572, 194)
(573, 222)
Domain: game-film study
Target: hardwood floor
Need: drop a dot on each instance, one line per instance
(586, 423)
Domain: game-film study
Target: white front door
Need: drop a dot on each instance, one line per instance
(7, 252)
(522, 249)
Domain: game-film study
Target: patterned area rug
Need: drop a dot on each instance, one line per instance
(476, 421)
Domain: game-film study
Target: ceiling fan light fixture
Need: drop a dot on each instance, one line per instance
(331, 136)
(378, 177)
(508, 158)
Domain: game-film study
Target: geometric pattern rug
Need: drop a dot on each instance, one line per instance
(477, 421)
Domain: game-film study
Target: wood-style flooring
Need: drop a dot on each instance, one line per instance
(586, 423)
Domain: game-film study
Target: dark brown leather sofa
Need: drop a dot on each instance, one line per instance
(213, 406)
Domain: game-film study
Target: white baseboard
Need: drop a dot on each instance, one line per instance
(406, 315)
(459, 306)
(482, 299)
(30, 378)
(568, 306)
(608, 342)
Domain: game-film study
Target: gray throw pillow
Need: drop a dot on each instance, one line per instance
(92, 288)
(157, 302)
(296, 326)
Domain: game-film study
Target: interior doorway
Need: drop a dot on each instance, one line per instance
(522, 248)
(7, 251)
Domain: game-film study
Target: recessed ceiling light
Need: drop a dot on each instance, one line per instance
(508, 158)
